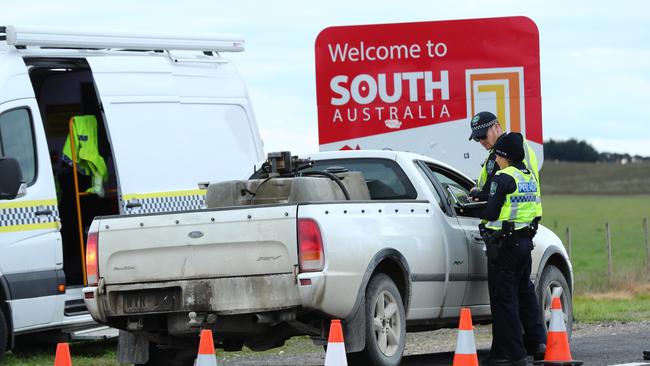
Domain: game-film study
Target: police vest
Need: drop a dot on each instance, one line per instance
(89, 161)
(530, 160)
(522, 205)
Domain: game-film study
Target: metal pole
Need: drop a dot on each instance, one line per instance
(568, 241)
(647, 246)
(609, 251)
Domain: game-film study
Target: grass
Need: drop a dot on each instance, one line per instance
(583, 197)
(83, 354)
(595, 178)
(586, 217)
(103, 353)
(621, 305)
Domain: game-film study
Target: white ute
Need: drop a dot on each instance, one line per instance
(278, 256)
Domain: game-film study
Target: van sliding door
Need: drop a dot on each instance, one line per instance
(170, 130)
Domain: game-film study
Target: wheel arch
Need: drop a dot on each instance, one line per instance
(553, 256)
(392, 263)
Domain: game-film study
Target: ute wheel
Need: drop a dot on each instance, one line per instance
(4, 334)
(385, 325)
(552, 280)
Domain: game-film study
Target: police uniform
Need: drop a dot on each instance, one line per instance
(513, 209)
(479, 125)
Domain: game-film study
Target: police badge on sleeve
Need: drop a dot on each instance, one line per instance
(493, 188)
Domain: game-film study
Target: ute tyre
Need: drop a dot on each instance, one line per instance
(550, 279)
(4, 334)
(385, 325)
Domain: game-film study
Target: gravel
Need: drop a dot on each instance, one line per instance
(443, 340)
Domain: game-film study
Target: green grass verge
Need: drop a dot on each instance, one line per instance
(102, 353)
(83, 354)
(592, 178)
(589, 309)
(586, 216)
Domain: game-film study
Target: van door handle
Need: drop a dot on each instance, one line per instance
(133, 203)
(42, 211)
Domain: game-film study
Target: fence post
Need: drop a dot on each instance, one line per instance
(647, 245)
(568, 240)
(609, 251)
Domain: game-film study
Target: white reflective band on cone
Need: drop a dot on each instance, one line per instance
(335, 355)
(206, 360)
(557, 321)
(465, 345)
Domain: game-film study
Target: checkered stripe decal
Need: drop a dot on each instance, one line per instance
(19, 216)
(166, 204)
(527, 198)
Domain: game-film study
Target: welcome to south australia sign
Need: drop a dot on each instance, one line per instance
(415, 86)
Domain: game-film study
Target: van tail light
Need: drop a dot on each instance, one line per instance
(92, 261)
(310, 246)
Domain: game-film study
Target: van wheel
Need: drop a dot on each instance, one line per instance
(4, 333)
(552, 280)
(385, 325)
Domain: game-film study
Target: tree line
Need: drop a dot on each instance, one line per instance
(582, 151)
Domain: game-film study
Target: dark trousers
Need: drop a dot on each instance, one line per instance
(513, 302)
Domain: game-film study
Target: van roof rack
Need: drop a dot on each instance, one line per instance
(22, 37)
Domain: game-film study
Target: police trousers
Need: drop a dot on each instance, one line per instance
(516, 320)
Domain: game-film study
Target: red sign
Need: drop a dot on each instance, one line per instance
(377, 79)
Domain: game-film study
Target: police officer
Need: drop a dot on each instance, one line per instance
(511, 216)
(487, 130)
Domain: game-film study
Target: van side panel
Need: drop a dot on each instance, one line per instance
(170, 130)
(30, 241)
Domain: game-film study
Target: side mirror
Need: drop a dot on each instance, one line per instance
(12, 184)
(458, 196)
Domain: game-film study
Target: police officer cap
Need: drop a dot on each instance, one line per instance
(511, 147)
(480, 124)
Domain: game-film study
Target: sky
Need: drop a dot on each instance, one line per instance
(595, 55)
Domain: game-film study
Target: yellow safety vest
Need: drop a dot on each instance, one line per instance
(521, 206)
(89, 162)
(530, 160)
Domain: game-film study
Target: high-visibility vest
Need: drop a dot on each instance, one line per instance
(89, 162)
(530, 160)
(521, 206)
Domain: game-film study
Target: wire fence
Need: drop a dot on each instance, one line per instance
(608, 255)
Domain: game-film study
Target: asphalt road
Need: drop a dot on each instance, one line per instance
(595, 344)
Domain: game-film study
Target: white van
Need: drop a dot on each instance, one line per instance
(170, 112)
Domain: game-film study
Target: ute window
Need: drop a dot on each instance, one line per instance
(17, 141)
(385, 179)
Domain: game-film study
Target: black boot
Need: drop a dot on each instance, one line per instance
(539, 352)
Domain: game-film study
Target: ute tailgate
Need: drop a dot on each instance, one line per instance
(198, 244)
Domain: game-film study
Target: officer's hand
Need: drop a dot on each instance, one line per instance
(474, 194)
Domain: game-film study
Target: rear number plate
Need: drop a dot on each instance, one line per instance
(149, 301)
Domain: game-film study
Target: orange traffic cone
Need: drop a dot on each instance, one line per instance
(335, 355)
(62, 357)
(465, 354)
(557, 343)
(206, 356)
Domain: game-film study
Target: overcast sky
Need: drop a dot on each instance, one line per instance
(595, 55)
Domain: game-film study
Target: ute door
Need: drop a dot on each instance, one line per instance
(31, 259)
(170, 129)
(456, 188)
(457, 261)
